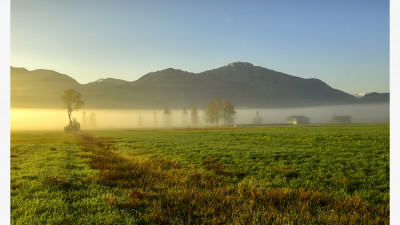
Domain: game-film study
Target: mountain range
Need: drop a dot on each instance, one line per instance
(244, 84)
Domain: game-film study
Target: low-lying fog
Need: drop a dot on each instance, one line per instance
(56, 119)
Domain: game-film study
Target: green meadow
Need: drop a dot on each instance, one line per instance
(260, 175)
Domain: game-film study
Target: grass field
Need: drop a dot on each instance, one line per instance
(267, 175)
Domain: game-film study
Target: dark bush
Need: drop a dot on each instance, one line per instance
(74, 126)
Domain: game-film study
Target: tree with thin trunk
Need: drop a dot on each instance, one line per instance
(72, 101)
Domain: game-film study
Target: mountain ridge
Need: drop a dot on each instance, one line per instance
(242, 83)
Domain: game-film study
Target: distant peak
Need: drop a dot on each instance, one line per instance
(18, 68)
(240, 67)
(111, 81)
(240, 64)
(170, 69)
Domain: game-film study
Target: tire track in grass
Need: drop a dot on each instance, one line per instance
(70, 182)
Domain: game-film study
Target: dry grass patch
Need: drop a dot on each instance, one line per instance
(215, 165)
(57, 181)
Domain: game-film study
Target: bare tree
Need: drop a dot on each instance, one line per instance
(72, 101)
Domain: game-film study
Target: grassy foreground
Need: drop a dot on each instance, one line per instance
(281, 175)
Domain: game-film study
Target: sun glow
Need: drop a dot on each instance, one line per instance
(37, 119)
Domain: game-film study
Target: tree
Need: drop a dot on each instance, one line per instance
(213, 111)
(220, 109)
(258, 119)
(167, 117)
(228, 112)
(72, 101)
(194, 116)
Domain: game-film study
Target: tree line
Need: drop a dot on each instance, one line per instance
(216, 113)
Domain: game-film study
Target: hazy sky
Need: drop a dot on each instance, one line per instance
(345, 43)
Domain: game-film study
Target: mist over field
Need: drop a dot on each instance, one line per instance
(56, 119)
(359, 113)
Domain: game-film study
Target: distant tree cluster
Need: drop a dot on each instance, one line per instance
(89, 121)
(167, 117)
(220, 110)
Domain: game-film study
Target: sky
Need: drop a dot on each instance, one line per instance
(344, 43)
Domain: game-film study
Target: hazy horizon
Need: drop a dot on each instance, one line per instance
(56, 119)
